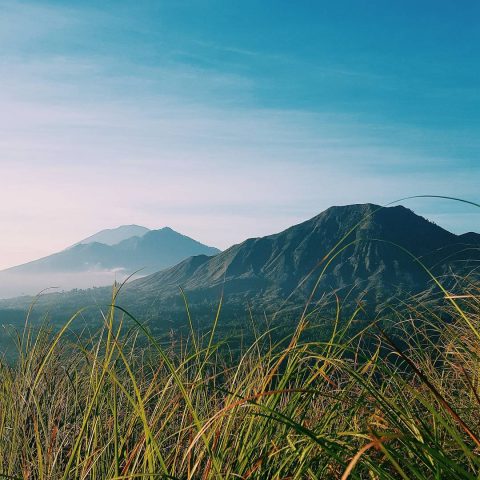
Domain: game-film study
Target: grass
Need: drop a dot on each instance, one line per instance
(399, 399)
(402, 404)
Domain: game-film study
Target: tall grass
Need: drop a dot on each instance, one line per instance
(403, 403)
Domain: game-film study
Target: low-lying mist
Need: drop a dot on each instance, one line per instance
(14, 284)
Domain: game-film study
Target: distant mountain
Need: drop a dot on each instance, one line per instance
(91, 263)
(282, 269)
(113, 236)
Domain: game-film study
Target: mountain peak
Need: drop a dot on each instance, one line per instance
(112, 236)
(103, 257)
(268, 268)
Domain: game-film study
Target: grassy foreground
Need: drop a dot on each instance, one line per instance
(102, 408)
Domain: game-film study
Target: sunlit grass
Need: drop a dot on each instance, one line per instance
(370, 406)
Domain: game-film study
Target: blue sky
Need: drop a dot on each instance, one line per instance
(231, 119)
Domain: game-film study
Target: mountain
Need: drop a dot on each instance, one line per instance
(90, 263)
(113, 236)
(282, 269)
(265, 271)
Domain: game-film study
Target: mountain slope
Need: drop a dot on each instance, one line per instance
(268, 269)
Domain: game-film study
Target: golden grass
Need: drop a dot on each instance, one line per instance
(101, 407)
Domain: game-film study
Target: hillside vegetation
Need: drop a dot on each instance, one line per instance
(402, 404)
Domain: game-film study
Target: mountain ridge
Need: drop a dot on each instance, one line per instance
(266, 272)
(282, 260)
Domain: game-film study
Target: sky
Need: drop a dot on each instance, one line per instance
(227, 120)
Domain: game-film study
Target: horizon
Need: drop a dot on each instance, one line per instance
(263, 116)
(150, 229)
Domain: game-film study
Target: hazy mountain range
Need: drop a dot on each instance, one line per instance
(282, 269)
(101, 259)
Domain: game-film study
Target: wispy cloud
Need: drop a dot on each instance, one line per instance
(91, 138)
